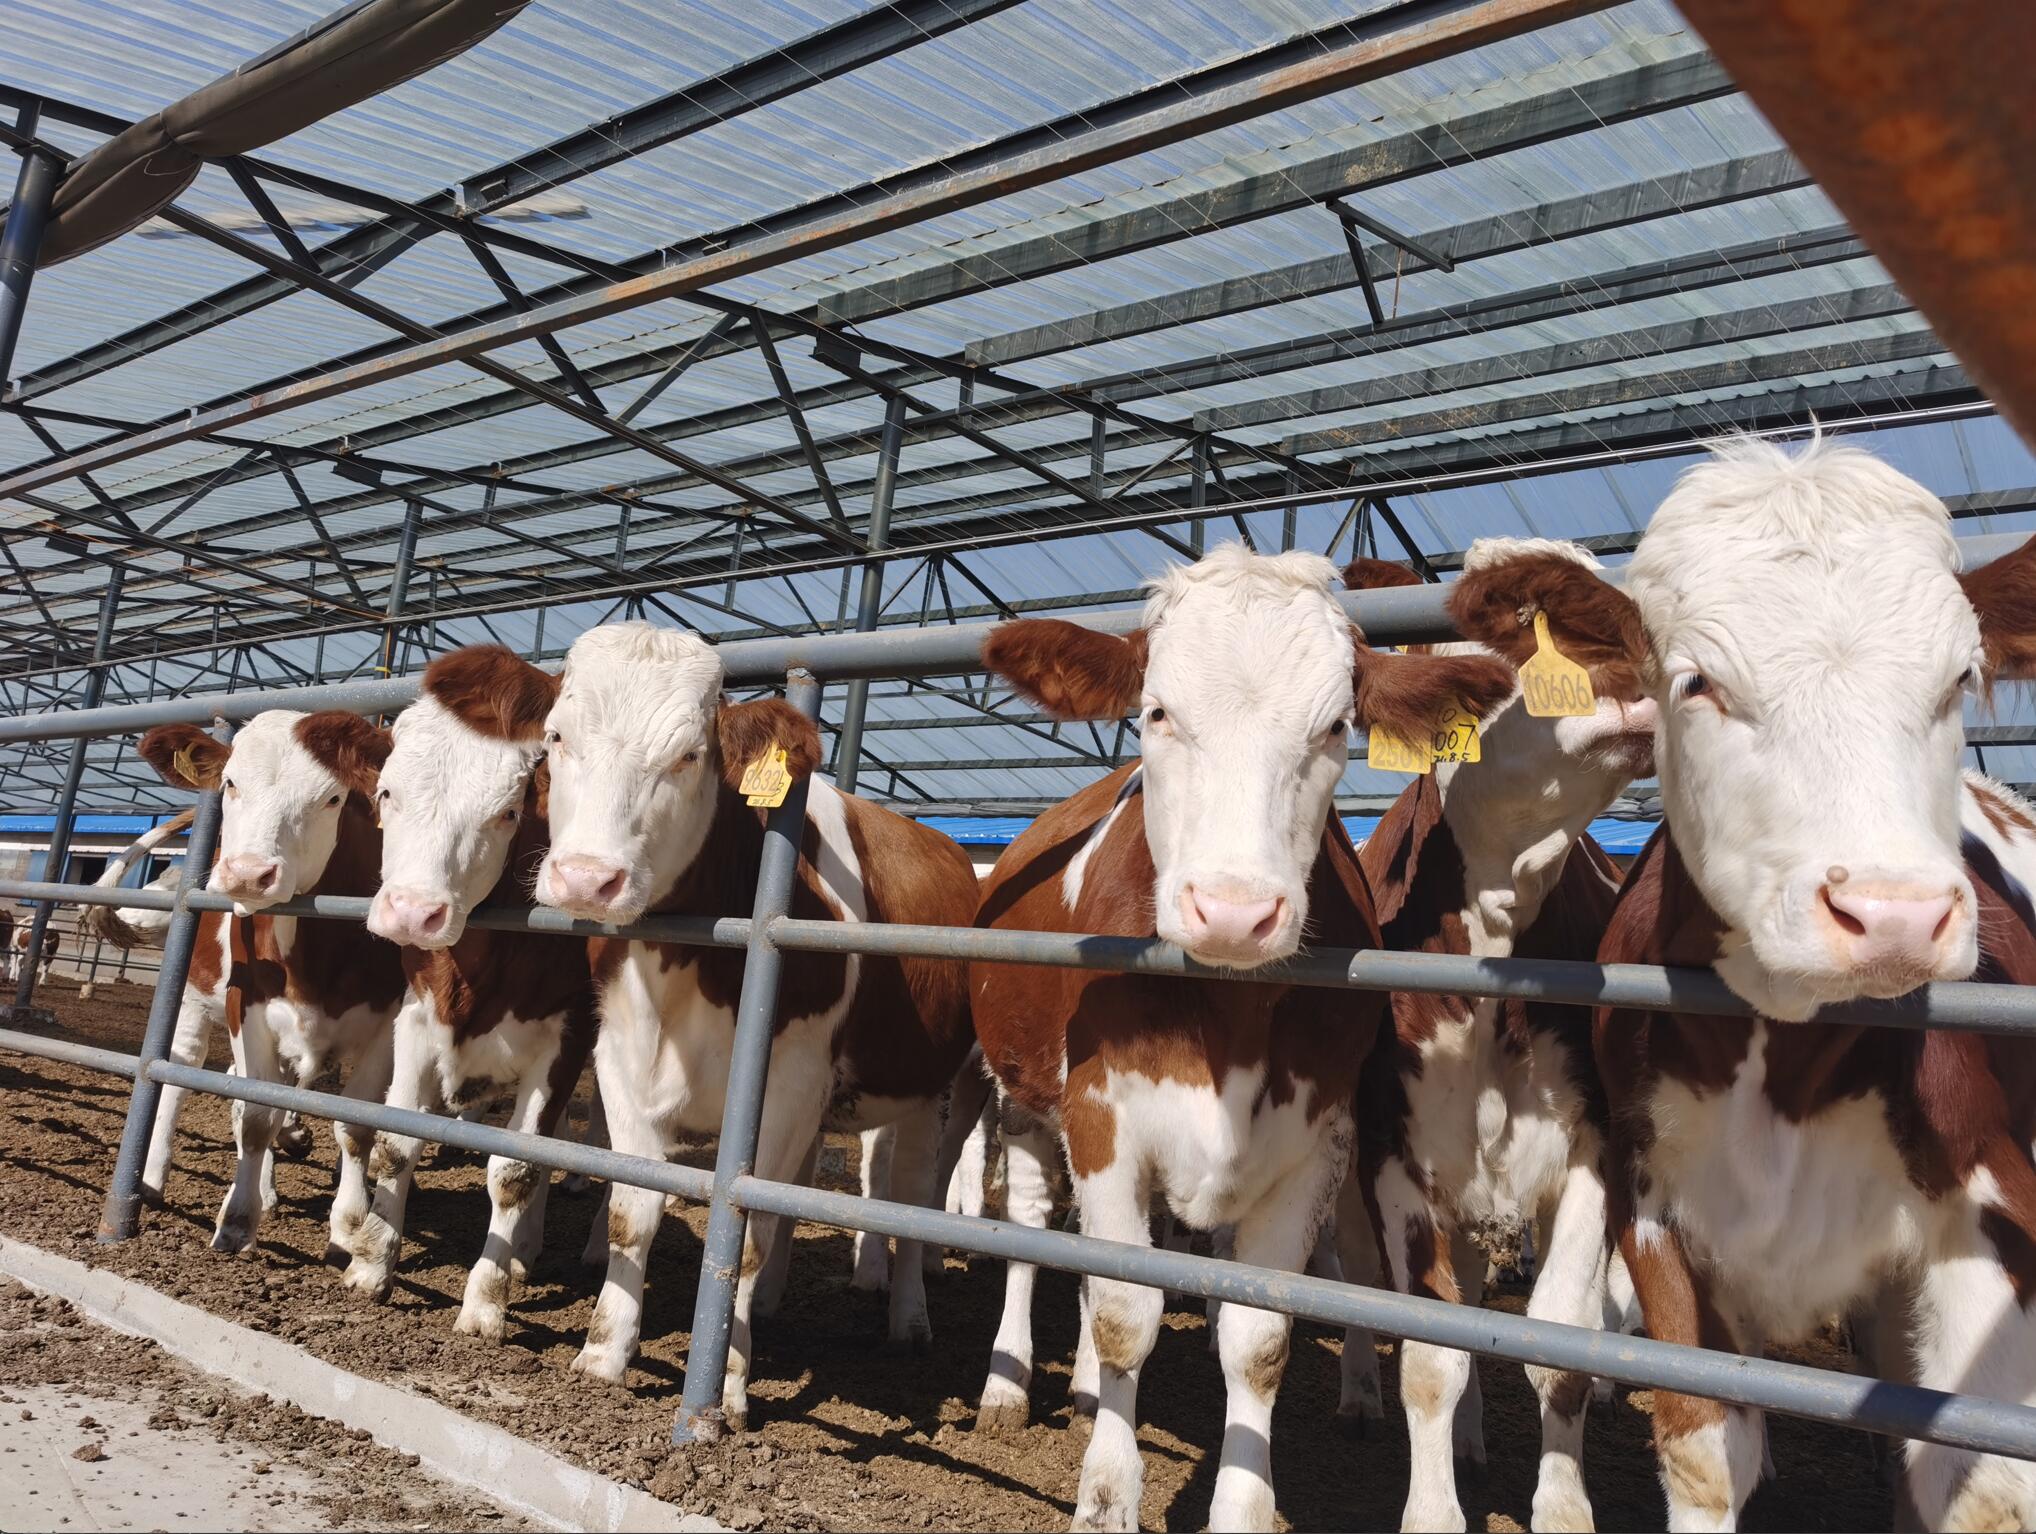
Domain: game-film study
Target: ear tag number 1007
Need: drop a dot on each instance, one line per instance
(1553, 685)
(767, 780)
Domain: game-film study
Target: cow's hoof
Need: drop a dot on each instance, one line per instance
(600, 1364)
(294, 1142)
(487, 1322)
(368, 1278)
(1569, 1513)
(1005, 1411)
(912, 1334)
(232, 1236)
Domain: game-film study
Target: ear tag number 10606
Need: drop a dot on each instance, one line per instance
(1553, 685)
(767, 780)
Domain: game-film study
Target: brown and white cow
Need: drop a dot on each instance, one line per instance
(295, 820)
(645, 754)
(17, 951)
(1478, 1120)
(1230, 1100)
(487, 1012)
(1803, 627)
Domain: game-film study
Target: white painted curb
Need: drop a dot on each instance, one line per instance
(519, 1475)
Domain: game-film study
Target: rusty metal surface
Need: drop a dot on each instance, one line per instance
(1918, 121)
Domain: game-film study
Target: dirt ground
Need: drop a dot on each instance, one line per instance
(307, 1466)
(849, 1434)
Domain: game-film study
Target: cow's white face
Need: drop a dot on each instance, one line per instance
(1812, 652)
(634, 769)
(279, 814)
(1245, 727)
(450, 800)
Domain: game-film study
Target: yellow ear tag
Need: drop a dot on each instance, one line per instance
(187, 767)
(1554, 686)
(767, 780)
(1395, 753)
(1456, 735)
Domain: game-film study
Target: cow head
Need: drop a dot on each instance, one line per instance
(1538, 782)
(1248, 680)
(1801, 624)
(285, 787)
(458, 783)
(642, 747)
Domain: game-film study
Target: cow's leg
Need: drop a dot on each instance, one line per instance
(196, 1014)
(1082, 1382)
(1569, 1287)
(1360, 1399)
(1467, 1434)
(1028, 1200)
(792, 1109)
(515, 1189)
(1278, 1233)
(633, 1214)
(1709, 1452)
(965, 1187)
(1432, 1379)
(597, 1134)
(777, 1268)
(915, 1153)
(377, 1241)
(1222, 1245)
(1124, 1322)
(872, 1251)
(254, 1127)
(367, 1082)
(1974, 1336)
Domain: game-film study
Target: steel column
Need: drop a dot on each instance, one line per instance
(122, 1212)
(883, 490)
(55, 863)
(699, 1418)
(399, 582)
(27, 216)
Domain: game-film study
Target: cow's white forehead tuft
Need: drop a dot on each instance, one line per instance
(1242, 576)
(1485, 552)
(640, 658)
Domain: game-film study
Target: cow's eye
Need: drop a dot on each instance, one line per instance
(1694, 684)
(1155, 715)
(510, 816)
(333, 802)
(688, 760)
(552, 740)
(1338, 729)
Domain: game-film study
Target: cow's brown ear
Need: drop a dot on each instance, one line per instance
(747, 731)
(1590, 620)
(184, 756)
(493, 690)
(1405, 693)
(1070, 671)
(2003, 594)
(1376, 574)
(346, 745)
(537, 796)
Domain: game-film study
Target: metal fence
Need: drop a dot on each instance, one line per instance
(805, 665)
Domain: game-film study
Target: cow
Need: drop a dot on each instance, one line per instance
(17, 951)
(1477, 1118)
(295, 819)
(462, 813)
(1804, 629)
(645, 756)
(1231, 1100)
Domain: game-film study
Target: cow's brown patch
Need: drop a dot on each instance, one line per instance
(1118, 1342)
(744, 732)
(1406, 693)
(1264, 1370)
(2005, 812)
(493, 691)
(1070, 671)
(347, 746)
(1089, 1126)
(184, 756)
(2003, 594)
(1593, 622)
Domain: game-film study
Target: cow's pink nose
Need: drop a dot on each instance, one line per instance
(1891, 925)
(243, 874)
(1232, 928)
(403, 916)
(587, 882)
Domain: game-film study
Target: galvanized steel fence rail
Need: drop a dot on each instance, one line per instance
(732, 1192)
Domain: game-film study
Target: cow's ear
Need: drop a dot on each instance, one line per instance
(2003, 594)
(346, 745)
(493, 691)
(1508, 581)
(537, 797)
(1405, 693)
(184, 756)
(1376, 574)
(747, 731)
(1070, 671)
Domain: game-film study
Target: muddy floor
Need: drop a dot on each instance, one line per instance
(848, 1433)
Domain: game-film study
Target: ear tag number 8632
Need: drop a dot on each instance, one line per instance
(767, 780)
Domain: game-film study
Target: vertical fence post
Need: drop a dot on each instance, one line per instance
(883, 490)
(55, 864)
(399, 586)
(699, 1419)
(35, 187)
(123, 1196)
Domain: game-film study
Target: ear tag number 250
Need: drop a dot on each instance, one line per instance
(767, 780)
(1454, 738)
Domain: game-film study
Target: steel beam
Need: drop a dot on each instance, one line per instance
(35, 186)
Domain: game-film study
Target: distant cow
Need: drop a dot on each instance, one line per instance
(17, 951)
(1805, 630)
(1230, 1100)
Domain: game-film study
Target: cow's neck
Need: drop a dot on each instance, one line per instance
(355, 868)
(721, 878)
(1513, 842)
